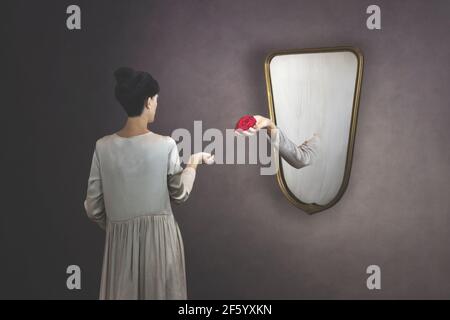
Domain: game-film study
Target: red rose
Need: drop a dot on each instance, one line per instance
(245, 122)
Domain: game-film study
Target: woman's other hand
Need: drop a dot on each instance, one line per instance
(199, 158)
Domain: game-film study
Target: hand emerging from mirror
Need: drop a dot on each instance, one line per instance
(296, 155)
(266, 123)
(261, 123)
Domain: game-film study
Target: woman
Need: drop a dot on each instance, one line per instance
(297, 156)
(134, 175)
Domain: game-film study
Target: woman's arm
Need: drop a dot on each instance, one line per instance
(180, 181)
(180, 184)
(94, 203)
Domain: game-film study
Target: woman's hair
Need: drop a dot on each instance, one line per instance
(133, 88)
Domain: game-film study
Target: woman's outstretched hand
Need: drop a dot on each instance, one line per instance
(199, 158)
(261, 123)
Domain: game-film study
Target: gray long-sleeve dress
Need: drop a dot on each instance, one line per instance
(131, 184)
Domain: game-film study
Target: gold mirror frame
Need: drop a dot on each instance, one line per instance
(311, 208)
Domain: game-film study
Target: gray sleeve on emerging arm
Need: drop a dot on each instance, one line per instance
(94, 203)
(297, 156)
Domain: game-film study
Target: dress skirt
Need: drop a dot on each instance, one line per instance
(144, 259)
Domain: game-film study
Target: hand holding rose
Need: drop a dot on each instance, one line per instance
(248, 127)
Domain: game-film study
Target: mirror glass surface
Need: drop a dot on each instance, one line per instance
(316, 91)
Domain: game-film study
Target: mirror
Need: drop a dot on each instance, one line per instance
(316, 91)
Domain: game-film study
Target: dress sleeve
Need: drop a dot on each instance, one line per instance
(94, 204)
(297, 156)
(179, 181)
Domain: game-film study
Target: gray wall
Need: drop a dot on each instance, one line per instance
(242, 238)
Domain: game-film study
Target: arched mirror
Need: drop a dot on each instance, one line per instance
(316, 91)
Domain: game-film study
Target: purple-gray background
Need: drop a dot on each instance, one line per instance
(242, 238)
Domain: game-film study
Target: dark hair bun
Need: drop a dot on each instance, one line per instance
(124, 74)
(133, 88)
